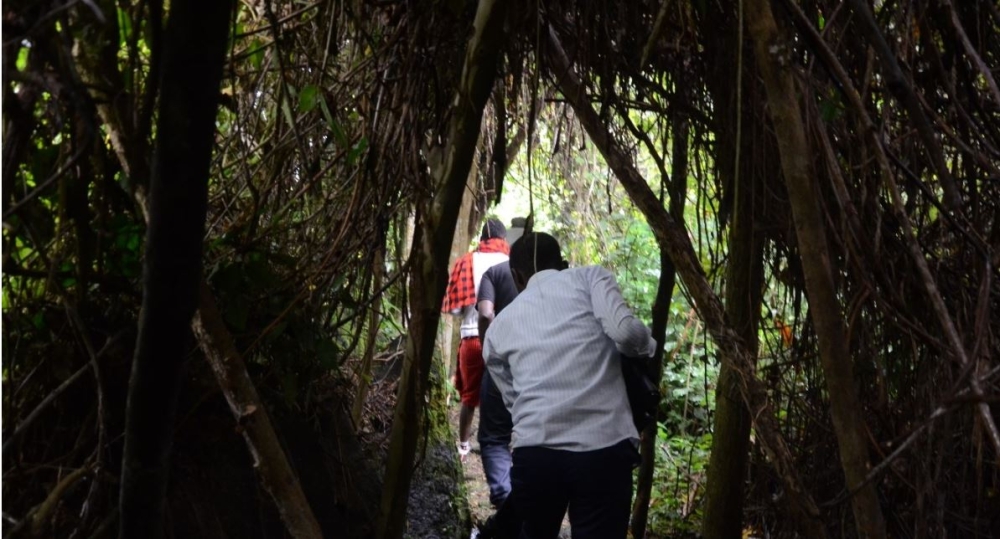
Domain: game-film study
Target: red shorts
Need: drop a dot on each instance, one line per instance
(470, 370)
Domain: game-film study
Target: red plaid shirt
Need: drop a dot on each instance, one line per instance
(462, 285)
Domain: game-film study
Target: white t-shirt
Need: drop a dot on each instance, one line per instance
(480, 263)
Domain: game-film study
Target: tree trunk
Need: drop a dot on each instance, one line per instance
(731, 437)
(374, 321)
(673, 238)
(464, 229)
(194, 52)
(824, 309)
(661, 313)
(436, 227)
(745, 156)
(128, 141)
(273, 468)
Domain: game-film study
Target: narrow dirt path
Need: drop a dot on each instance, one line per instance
(472, 470)
(475, 480)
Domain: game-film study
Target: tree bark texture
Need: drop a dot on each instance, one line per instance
(731, 438)
(673, 238)
(845, 406)
(273, 468)
(746, 155)
(436, 227)
(195, 47)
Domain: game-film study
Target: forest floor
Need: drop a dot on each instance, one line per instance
(477, 490)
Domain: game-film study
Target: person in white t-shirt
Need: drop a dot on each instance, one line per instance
(460, 300)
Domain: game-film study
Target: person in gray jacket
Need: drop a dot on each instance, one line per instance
(555, 355)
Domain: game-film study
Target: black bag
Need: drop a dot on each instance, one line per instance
(643, 392)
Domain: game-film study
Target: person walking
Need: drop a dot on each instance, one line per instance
(555, 355)
(496, 291)
(460, 300)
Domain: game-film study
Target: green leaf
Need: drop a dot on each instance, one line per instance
(38, 320)
(326, 111)
(229, 278)
(124, 28)
(256, 53)
(22, 59)
(259, 274)
(357, 150)
(829, 106)
(828, 111)
(338, 283)
(338, 132)
(307, 98)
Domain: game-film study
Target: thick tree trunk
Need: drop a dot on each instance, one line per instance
(194, 53)
(673, 238)
(731, 437)
(436, 226)
(845, 406)
(745, 154)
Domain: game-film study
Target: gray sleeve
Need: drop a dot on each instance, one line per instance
(499, 369)
(629, 333)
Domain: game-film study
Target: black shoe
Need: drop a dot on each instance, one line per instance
(487, 530)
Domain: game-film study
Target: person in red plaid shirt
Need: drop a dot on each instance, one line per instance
(460, 300)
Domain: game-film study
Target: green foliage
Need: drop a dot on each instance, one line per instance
(678, 480)
(684, 436)
(22, 59)
(308, 98)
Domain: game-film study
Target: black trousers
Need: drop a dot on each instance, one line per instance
(596, 486)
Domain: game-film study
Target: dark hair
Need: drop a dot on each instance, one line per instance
(493, 228)
(535, 252)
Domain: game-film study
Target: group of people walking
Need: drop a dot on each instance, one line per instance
(541, 353)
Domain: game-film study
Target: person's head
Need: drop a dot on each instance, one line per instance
(532, 253)
(493, 228)
(516, 229)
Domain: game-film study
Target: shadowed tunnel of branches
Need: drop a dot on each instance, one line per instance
(802, 196)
